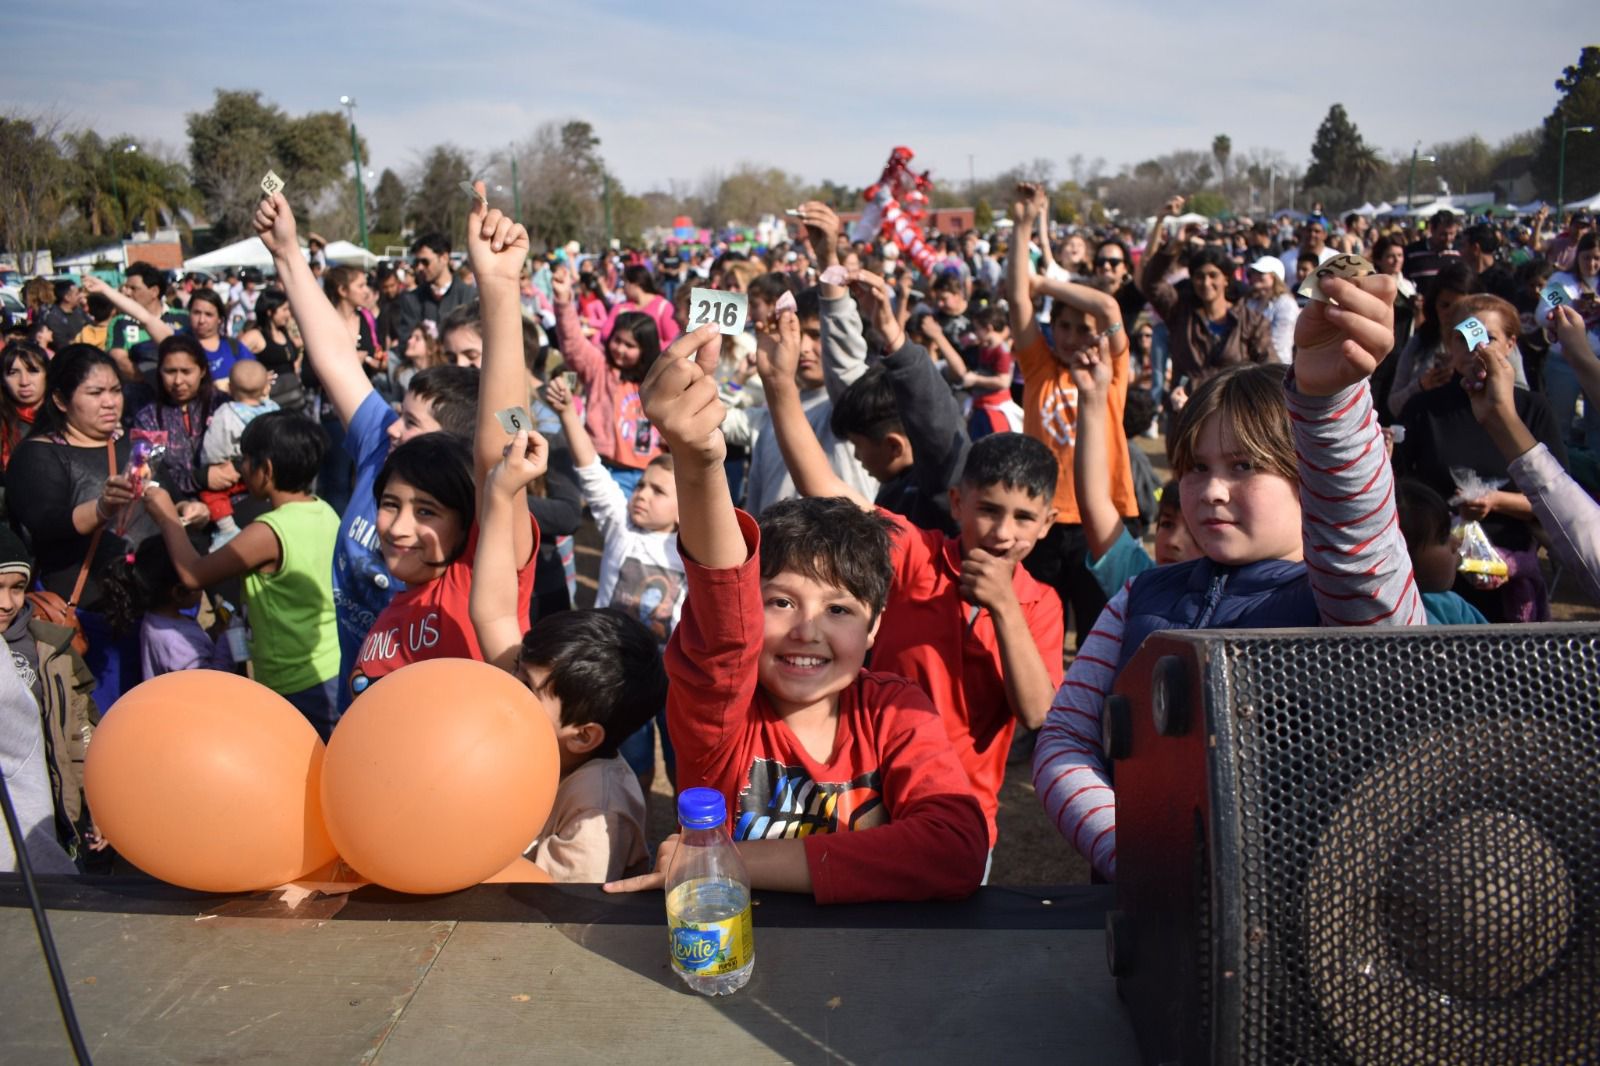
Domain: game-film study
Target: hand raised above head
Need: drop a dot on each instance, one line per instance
(1337, 346)
(778, 352)
(680, 397)
(496, 245)
(274, 223)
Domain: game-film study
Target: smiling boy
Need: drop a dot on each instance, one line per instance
(842, 782)
(962, 619)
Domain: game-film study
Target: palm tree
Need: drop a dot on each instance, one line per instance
(1222, 151)
(1367, 167)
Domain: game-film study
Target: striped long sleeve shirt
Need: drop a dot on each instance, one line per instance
(1356, 563)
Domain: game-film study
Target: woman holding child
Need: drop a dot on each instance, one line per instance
(185, 402)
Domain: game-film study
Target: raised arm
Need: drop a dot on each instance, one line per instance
(1024, 214)
(1101, 308)
(256, 547)
(777, 358)
(328, 343)
(1091, 459)
(680, 399)
(1356, 558)
(586, 360)
(502, 514)
(158, 328)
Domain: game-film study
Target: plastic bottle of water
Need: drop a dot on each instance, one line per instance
(708, 899)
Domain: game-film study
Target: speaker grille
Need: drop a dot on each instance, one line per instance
(1419, 818)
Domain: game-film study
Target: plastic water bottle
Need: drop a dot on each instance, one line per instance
(708, 899)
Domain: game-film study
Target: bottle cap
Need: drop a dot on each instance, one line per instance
(701, 808)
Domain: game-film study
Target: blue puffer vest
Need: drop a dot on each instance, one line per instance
(1201, 594)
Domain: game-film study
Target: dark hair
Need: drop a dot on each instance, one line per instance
(1453, 276)
(947, 282)
(209, 297)
(831, 541)
(68, 370)
(867, 408)
(453, 393)
(772, 285)
(266, 304)
(1485, 236)
(151, 275)
(1138, 411)
(439, 464)
(642, 328)
(1446, 217)
(463, 316)
(808, 303)
(292, 444)
(100, 307)
(1383, 244)
(1424, 515)
(1113, 242)
(993, 316)
(339, 277)
(189, 345)
(1586, 243)
(1210, 255)
(1014, 460)
(64, 286)
(134, 585)
(437, 243)
(604, 667)
(11, 422)
(1171, 499)
(639, 274)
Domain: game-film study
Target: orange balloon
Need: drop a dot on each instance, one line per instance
(210, 781)
(521, 872)
(439, 775)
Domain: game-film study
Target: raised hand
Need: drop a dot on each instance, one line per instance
(496, 245)
(681, 401)
(1090, 371)
(557, 396)
(1568, 326)
(878, 304)
(1031, 203)
(778, 352)
(1173, 207)
(560, 284)
(275, 226)
(1337, 346)
(524, 462)
(822, 227)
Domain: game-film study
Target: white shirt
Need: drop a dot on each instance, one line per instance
(640, 572)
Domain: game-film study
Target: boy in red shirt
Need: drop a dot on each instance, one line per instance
(842, 782)
(967, 623)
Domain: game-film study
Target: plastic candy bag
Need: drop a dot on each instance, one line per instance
(1478, 556)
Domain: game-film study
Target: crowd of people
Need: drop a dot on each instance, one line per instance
(841, 551)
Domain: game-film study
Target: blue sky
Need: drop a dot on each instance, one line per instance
(821, 89)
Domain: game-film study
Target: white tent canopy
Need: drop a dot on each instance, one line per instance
(1591, 204)
(348, 252)
(246, 253)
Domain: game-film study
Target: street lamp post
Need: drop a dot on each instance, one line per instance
(1411, 183)
(516, 190)
(1561, 165)
(355, 154)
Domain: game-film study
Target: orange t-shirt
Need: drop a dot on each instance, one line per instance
(1050, 414)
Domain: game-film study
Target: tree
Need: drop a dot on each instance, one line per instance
(1368, 168)
(1222, 151)
(1334, 151)
(30, 186)
(437, 203)
(1579, 86)
(390, 197)
(563, 179)
(241, 137)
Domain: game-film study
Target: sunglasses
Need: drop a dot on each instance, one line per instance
(1101, 261)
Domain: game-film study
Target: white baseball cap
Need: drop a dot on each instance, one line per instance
(1268, 264)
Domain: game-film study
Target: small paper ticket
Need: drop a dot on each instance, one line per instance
(1345, 266)
(727, 310)
(1475, 333)
(271, 184)
(472, 191)
(835, 275)
(571, 379)
(514, 420)
(1553, 296)
(785, 303)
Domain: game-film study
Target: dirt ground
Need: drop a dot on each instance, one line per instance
(1030, 851)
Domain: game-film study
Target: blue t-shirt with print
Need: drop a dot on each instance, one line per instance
(229, 352)
(362, 587)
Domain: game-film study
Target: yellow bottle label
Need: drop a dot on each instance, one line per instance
(708, 948)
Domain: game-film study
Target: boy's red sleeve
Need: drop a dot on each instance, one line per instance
(936, 844)
(712, 662)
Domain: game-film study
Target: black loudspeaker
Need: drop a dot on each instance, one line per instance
(1359, 846)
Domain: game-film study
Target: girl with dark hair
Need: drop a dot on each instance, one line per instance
(347, 290)
(146, 594)
(206, 315)
(1420, 367)
(639, 294)
(270, 339)
(186, 398)
(66, 494)
(613, 414)
(22, 375)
